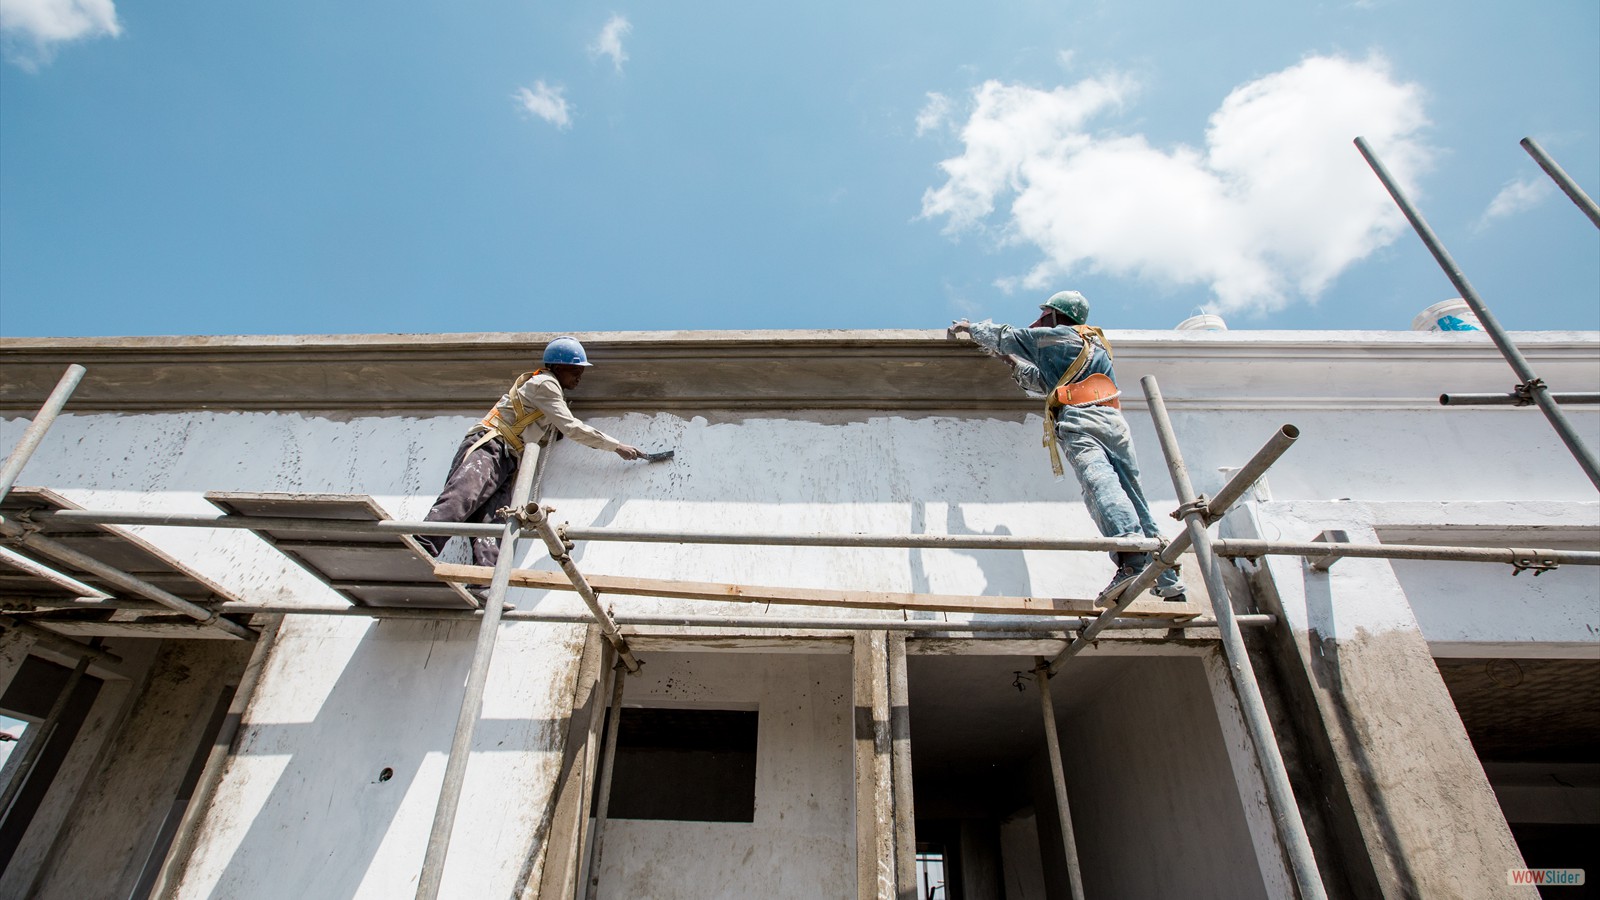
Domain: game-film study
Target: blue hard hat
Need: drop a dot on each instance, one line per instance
(565, 351)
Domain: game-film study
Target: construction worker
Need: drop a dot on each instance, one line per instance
(1063, 359)
(485, 466)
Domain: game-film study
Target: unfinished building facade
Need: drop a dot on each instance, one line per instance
(850, 717)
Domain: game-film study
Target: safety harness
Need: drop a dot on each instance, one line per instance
(1095, 390)
(522, 417)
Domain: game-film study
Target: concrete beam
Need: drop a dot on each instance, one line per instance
(906, 370)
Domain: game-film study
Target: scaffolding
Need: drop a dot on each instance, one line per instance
(325, 529)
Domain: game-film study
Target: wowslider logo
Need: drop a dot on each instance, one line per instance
(1545, 877)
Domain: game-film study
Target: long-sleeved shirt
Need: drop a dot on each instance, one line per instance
(544, 392)
(1042, 355)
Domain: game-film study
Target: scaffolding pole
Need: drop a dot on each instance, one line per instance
(455, 775)
(1237, 485)
(36, 429)
(1516, 398)
(12, 533)
(1531, 382)
(1031, 625)
(1286, 812)
(559, 552)
(1562, 180)
(1058, 777)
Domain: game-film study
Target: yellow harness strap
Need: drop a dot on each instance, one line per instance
(511, 431)
(1052, 400)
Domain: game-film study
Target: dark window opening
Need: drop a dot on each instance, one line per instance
(31, 694)
(685, 765)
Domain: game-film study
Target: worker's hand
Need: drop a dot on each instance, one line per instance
(627, 451)
(959, 327)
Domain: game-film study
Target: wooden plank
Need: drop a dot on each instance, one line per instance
(116, 547)
(366, 570)
(743, 593)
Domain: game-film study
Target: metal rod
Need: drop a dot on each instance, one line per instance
(1562, 179)
(36, 429)
(1031, 624)
(1234, 547)
(30, 753)
(922, 541)
(1058, 778)
(1130, 590)
(1530, 381)
(58, 642)
(1235, 487)
(1286, 812)
(1251, 472)
(608, 762)
(455, 774)
(558, 552)
(1516, 399)
(62, 553)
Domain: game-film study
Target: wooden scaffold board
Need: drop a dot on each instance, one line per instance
(365, 569)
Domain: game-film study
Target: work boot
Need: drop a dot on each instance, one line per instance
(1125, 572)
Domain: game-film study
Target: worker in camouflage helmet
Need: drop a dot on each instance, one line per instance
(1068, 362)
(484, 470)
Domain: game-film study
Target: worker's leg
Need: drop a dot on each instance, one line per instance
(471, 487)
(1101, 451)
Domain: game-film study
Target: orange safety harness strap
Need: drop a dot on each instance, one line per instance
(522, 417)
(1097, 389)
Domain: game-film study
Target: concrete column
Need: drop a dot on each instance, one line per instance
(875, 864)
(1411, 797)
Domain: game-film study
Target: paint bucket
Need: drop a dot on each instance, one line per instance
(1203, 322)
(1447, 315)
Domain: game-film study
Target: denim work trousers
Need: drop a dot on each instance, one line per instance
(1097, 444)
(477, 485)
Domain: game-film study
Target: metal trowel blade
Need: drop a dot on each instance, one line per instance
(663, 456)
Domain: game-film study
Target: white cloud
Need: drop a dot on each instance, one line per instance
(933, 114)
(32, 29)
(609, 41)
(1275, 205)
(1518, 194)
(547, 103)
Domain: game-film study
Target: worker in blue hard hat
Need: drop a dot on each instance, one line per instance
(1068, 362)
(485, 465)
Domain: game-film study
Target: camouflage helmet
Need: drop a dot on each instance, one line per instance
(1070, 304)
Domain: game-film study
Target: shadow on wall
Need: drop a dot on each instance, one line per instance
(348, 770)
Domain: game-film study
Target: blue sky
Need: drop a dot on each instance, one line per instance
(301, 168)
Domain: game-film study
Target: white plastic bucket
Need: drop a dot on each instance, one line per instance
(1203, 322)
(1447, 315)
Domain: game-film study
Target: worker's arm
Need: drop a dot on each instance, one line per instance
(1016, 347)
(545, 393)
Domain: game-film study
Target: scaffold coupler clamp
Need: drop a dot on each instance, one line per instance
(1198, 505)
(1536, 561)
(1525, 391)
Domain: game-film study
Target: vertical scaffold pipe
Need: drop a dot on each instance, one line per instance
(1285, 811)
(1058, 777)
(35, 431)
(1536, 388)
(455, 773)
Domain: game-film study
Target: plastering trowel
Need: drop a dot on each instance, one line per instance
(663, 456)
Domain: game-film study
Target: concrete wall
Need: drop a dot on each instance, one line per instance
(342, 700)
(800, 844)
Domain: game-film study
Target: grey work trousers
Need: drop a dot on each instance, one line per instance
(479, 483)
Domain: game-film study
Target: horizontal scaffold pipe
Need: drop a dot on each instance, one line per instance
(1224, 547)
(1512, 556)
(1030, 625)
(1516, 399)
